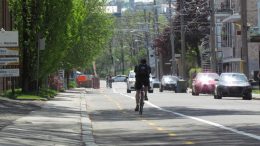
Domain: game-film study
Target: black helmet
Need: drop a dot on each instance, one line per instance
(143, 61)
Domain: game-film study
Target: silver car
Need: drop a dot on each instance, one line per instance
(168, 82)
(131, 83)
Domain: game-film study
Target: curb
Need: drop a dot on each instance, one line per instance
(87, 135)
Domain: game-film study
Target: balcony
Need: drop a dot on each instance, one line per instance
(223, 7)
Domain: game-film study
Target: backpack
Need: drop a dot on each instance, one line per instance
(143, 70)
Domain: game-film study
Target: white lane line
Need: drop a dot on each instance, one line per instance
(200, 120)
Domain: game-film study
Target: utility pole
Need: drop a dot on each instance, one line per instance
(183, 50)
(172, 39)
(212, 36)
(244, 50)
(146, 36)
(158, 66)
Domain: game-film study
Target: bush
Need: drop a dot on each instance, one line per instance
(44, 94)
(72, 84)
(192, 74)
(47, 93)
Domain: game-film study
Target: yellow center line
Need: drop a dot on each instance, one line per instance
(160, 129)
(189, 142)
(171, 134)
(114, 101)
(151, 124)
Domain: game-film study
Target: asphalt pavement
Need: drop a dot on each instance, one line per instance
(60, 121)
(63, 120)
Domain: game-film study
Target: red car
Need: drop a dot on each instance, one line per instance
(204, 83)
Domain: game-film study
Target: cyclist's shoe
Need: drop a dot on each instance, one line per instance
(136, 108)
(145, 97)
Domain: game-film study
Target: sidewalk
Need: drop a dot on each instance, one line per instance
(61, 121)
(256, 96)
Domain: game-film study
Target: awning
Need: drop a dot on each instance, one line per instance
(233, 18)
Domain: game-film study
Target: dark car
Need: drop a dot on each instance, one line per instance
(168, 82)
(204, 83)
(156, 82)
(233, 85)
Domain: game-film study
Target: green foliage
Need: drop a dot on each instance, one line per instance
(72, 84)
(76, 32)
(255, 91)
(122, 48)
(47, 93)
(192, 74)
(44, 94)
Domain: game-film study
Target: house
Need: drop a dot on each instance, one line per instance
(228, 36)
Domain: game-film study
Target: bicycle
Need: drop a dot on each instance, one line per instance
(141, 101)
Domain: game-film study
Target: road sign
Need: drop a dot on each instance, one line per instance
(9, 39)
(9, 51)
(9, 61)
(9, 72)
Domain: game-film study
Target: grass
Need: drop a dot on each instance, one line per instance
(30, 97)
(256, 91)
(44, 94)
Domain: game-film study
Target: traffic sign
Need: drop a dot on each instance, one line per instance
(9, 39)
(9, 61)
(9, 51)
(9, 72)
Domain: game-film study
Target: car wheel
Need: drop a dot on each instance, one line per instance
(217, 96)
(194, 93)
(150, 91)
(128, 91)
(248, 96)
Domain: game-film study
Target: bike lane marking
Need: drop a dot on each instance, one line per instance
(257, 137)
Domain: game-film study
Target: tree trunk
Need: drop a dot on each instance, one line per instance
(24, 70)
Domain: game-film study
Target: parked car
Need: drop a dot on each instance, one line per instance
(131, 83)
(204, 83)
(84, 81)
(233, 85)
(168, 82)
(156, 82)
(119, 78)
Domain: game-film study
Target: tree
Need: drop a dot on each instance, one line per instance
(75, 31)
(196, 25)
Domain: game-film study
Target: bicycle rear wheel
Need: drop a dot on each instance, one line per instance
(141, 103)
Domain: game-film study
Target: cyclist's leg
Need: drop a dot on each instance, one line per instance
(146, 87)
(138, 87)
(137, 96)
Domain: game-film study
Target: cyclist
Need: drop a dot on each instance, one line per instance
(109, 81)
(142, 74)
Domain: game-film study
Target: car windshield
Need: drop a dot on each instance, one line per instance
(209, 76)
(234, 77)
(132, 75)
(170, 78)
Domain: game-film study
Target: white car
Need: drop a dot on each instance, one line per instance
(131, 83)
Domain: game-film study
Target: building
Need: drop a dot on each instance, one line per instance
(228, 35)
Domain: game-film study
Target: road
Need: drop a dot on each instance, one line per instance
(172, 119)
